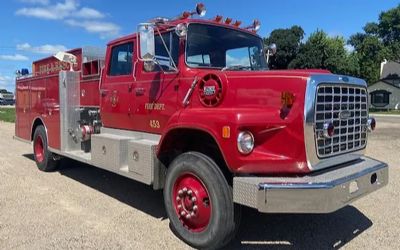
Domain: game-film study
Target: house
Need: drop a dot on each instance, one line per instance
(385, 94)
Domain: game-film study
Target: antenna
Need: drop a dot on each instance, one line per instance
(66, 57)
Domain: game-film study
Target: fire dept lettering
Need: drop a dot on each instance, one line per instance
(154, 106)
(53, 67)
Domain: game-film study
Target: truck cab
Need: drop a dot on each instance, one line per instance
(189, 106)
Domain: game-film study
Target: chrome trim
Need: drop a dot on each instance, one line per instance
(44, 125)
(322, 192)
(313, 162)
(355, 133)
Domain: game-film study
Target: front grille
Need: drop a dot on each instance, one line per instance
(346, 107)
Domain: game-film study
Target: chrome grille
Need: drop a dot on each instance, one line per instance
(350, 132)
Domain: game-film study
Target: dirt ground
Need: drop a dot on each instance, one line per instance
(82, 207)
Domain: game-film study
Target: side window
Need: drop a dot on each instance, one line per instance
(121, 60)
(172, 42)
(199, 60)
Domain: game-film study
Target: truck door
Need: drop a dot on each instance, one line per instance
(116, 85)
(155, 92)
(22, 108)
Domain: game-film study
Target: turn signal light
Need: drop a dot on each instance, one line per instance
(328, 130)
(287, 99)
(226, 132)
(371, 124)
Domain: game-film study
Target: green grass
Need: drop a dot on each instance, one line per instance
(7, 114)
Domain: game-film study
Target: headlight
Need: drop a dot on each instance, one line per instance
(245, 142)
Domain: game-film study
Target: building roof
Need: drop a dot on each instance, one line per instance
(391, 69)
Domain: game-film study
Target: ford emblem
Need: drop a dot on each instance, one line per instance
(344, 115)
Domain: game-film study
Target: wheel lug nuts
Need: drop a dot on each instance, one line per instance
(190, 192)
(183, 213)
(194, 199)
(184, 190)
(178, 198)
(195, 207)
(179, 206)
(192, 214)
(188, 216)
(180, 192)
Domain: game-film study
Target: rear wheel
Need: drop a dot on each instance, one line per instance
(44, 158)
(199, 202)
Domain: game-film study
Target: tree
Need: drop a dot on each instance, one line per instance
(323, 52)
(379, 41)
(288, 42)
(370, 51)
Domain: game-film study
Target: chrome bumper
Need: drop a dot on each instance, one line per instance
(321, 192)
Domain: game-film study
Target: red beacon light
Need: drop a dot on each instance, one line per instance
(218, 18)
(237, 23)
(200, 11)
(228, 20)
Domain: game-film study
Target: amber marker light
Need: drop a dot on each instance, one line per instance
(287, 99)
(226, 132)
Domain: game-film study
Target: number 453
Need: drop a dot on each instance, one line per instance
(154, 124)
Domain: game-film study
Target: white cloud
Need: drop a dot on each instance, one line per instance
(43, 49)
(7, 82)
(58, 11)
(105, 29)
(16, 57)
(89, 13)
(74, 15)
(42, 2)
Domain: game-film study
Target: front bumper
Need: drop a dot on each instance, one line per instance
(320, 192)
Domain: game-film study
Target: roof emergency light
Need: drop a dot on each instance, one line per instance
(255, 26)
(200, 11)
(68, 58)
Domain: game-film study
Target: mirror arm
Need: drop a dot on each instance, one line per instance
(166, 48)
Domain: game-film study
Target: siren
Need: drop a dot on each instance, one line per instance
(255, 26)
(200, 11)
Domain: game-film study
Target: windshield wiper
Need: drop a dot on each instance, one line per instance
(236, 67)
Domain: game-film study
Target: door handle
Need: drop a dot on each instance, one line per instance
(139, 91)
(104, 92)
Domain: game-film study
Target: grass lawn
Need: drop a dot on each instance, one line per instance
(7, 114)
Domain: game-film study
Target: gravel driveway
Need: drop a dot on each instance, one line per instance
(83, 207)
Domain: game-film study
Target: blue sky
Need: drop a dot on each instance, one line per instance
(32, 29)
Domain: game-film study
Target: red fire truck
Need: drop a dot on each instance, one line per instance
(189, 106)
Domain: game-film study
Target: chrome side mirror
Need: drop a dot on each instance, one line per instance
(147, 45)
(271, 51)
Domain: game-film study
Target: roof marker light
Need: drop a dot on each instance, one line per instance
(228, 20)
(218, 18)
(237, 23)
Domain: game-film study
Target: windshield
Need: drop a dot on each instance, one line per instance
(228, 49)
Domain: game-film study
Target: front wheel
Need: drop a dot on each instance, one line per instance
(44, 158)
(199, 202)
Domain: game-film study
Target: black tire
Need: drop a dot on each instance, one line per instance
(223, 221)
(43, 157)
